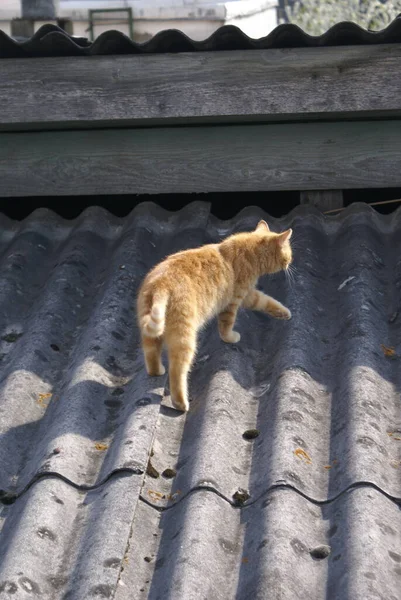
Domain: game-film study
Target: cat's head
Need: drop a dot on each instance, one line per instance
(277, 248)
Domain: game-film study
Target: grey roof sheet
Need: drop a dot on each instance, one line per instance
(85, 515)
(202, 549)
(50, 40)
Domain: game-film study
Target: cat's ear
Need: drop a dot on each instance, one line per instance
(262, 226)
(283, 237)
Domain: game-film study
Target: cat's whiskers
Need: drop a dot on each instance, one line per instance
(290, 274)
(297, 243)
(297, 240)
(287, 276)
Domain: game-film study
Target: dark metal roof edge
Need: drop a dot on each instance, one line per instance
(199, 211)
(50, 40)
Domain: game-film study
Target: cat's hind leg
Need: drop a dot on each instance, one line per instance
(257, 300)
(152, 350)
(181, 351)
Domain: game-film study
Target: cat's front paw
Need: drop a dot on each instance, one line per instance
(232, 338)
(281, 313)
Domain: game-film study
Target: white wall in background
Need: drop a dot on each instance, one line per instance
(197, 18)
(253, 17)
(9, 9)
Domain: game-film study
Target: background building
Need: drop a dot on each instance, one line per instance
(140, 19)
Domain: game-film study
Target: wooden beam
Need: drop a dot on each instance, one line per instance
(202, 159)
(188, 88)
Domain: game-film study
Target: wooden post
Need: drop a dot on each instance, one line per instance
(67, 25)
(22, 28)
(323, 199)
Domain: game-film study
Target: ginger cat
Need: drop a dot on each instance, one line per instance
(187, 289)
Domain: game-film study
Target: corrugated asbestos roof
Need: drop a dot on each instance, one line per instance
(50, 40)
(307, 509)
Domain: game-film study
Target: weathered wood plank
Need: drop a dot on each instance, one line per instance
(323, 199)
(202, 159)
(187, 88)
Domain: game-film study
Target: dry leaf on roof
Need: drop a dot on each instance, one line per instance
(174, 496)
(156, 495)
(303, 455)
(388, 351)
(333, 463)
(41, 399)
(100, 446)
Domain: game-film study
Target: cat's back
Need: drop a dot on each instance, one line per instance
(192, 263)
(199, 275)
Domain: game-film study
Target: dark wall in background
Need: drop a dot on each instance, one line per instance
(224, 205)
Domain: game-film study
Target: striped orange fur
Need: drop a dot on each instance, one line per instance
(187, 289)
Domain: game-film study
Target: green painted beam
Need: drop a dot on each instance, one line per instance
(307, 156)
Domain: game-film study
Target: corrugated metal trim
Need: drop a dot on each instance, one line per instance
(50, 40)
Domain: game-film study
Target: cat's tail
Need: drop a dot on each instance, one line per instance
(154, 322)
